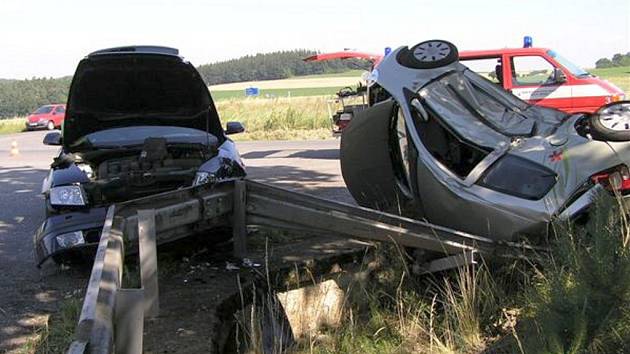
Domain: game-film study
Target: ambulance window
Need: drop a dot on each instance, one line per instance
(490, 68)
(531, 70)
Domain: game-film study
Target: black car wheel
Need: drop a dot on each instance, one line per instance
(429, 54)
(612, 122)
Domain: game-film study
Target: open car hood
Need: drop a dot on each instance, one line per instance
(123, 89)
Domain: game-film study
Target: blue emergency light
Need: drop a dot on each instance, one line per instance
(388, 50)
(527, 42)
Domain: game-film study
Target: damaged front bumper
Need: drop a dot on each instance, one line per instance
(69, 232)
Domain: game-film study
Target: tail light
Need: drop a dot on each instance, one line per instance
(614, 179)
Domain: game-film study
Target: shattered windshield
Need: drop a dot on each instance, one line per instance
(482, 112)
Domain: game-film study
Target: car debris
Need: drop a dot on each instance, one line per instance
(443, 144)
(139, 121)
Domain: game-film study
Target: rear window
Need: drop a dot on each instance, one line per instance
(519, 177)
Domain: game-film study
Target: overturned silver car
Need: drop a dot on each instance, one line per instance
(440, 142)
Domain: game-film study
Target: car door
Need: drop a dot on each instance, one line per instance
(366, 163)
(531, 78)
(58, 115)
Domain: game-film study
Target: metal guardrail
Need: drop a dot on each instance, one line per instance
(111, 319)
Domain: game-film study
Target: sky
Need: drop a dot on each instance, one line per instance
(47, 38)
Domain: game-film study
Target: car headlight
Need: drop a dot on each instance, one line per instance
(70, 239)
(203, 178)
(67, 195)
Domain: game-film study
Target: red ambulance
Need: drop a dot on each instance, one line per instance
(543, 77)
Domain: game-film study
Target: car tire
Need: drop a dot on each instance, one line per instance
(50, 125)
(429, 54)
(611, 122)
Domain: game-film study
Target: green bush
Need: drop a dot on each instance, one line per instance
(580, 300)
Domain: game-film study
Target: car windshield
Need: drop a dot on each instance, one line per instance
(43, 110)
(574, 69)
(136, 135)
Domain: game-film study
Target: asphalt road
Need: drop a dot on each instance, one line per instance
(28, 294)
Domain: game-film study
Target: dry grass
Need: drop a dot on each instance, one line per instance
(279, 118)
(12, 125)
(311, 81)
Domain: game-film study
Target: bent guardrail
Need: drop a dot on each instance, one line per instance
(112, 316)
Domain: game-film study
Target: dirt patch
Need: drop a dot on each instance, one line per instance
(198, 299)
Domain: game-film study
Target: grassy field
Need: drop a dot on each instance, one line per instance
(273, 115)
(274, 93)
(350, 79)
(619, 76)
(278, 118)
(12, 125)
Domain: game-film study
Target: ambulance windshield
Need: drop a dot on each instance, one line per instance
(574, 69)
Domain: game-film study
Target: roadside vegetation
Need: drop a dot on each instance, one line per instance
(289, 113)
(12, 125)
(58, 332)
(576, 299)
(278, 118)
(619, 76)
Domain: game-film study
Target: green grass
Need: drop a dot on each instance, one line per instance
(58, 333)
(12, 125)
(272, 93)
(278, 118)
(575, 300)
(349, 73)
(619, 76)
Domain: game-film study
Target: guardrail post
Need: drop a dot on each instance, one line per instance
(148, 262)
(129, 321)
(239, 226)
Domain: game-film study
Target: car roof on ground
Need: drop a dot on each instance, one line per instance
(139, 49)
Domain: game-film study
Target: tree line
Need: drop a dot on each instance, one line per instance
(272, 66)
(20, 97)
(617, 60)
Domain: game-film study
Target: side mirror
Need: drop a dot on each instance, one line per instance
(234, 128)
(558, 76)
(53, 138)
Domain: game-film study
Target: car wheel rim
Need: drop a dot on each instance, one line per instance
(616, 117)
(51, 126)
(431, 51)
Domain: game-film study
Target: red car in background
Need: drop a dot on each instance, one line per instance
(49, 116)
